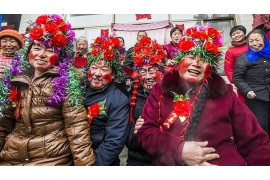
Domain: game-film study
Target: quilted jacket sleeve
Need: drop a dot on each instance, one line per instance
(78, 132)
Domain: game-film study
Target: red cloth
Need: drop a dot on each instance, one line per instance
(170, 50)
(225, 122)
(230, 58)
(143, 16)
(261, 19)
(181, 26)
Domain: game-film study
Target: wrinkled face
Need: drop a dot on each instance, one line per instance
(140, 35)
(193, 70)
(100, 75)
(122, 44)
(238, 35)
(176, 36)
(9, 44)
(149, 76)
(81, 45)
(256, 42)
(42, 58)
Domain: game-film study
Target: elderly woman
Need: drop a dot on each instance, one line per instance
(42, 119)
(194, 118)
(239, 46)
(252, 76)
(10, 42)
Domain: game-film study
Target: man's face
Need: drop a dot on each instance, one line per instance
(238, 35)
(42, 58)
(9, 44)
(81, 45)
(193, 69)
(149, 76)
(100, 75)
(140, 35)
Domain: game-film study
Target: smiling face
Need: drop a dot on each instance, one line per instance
(81, 45)
(193, 70)
(149, 76)
(100, 75)
(256, 42)
(42, 58)
(238, 35)
(9, 44)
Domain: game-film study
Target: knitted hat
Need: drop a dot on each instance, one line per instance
(204, 42)
(14, 34)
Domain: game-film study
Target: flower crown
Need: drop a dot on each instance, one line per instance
(202, 41)
(51, 31)
(107, 49)
(147, 51)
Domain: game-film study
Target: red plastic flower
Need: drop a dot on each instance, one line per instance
(95, 51)
(145, 41)
(51, 28)
(182, 108)
(36, 34)
(109, 55)
(211, 48)
(122, 58)
(115, 42)
(61, 24)
(162, 55)
(105, 45)
(93, 110)
(191, 31)
(137, 48)
(154, 59)
(185, 46)
(98, 40)
(138, 60)
(59, 40)
(200, 35)
(13, 95)
(157, 47)
(212, 32)
(42, 20)
(146, 50)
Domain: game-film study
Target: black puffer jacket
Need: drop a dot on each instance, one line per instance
(253, 76)
(136, 154)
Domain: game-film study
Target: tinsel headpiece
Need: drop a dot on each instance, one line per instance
(107, 49)
(51, 31)
(204, 42)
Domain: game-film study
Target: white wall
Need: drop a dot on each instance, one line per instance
(24, 19)
(245, 20)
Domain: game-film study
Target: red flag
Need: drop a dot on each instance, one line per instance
(80, 61)
(143, 16)
(181, 26)
(104, 32)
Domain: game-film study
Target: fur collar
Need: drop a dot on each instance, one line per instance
(173, 82)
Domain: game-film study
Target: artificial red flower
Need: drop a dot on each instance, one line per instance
(185, 46)
(200, 35)
(191, 31)
(146, 50)
(145, 41)
(138, 60)
(182, 108)
(162, 55)
(154, 59)
(105, 45)
(61, 24)
(212, 32)
(109, 55)
(95, 51)
(157, 47)
(59, 40)
(98, 40)
(42, 20)
(51, 28)
(211, 48)
(115, 42)
(13, 94)
(93, 110)
(137, 48)
(122, 58)
(36, 34)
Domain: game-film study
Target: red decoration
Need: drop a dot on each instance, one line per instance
(59, 40)
(184, 45)
(96, 109)
(80, 61)
(181, 26)
(143, 16)
(104, 32)
(133, 100)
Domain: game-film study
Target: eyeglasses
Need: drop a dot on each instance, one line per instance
(151, 71)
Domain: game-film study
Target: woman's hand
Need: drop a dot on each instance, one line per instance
(138, 124)
(251, 95)
(197, 154)
(170, 62)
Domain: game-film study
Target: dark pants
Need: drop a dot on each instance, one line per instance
(261, 110)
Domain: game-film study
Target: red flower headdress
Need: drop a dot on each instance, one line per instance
(203, 41)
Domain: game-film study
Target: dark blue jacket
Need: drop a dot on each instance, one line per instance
(108, 133)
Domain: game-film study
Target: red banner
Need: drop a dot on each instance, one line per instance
(181, 26)
(143, 16)
(104, 32)
(7, 27)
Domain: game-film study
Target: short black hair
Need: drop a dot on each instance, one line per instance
(122, 39)
(239, 27)
(174, 29)
(257, 31)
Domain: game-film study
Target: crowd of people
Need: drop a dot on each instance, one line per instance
(65, 105)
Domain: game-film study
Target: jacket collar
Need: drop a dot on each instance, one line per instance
(90, 91)
(173, 82)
